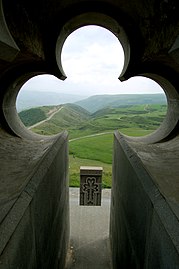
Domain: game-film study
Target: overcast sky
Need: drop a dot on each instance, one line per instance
(92, 58)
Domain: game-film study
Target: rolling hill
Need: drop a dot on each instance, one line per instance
(53, 119)
(97, 102)
(37, 114)
(91, 135)
(136, 119)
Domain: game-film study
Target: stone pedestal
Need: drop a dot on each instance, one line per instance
(90, 185)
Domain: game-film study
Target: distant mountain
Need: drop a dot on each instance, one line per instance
(97, 102)
(30, 99)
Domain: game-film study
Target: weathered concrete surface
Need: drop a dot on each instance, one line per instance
(143, 223)
(19, 158)
(161, 160)
(144, 220)
(89, 238)
(34, 228)
(8, 48)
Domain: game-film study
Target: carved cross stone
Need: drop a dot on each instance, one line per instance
(90, 185)
(90, 188)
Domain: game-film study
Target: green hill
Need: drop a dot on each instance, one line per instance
(32, 116)
(69, 116)
(133, 120)
(57, 118)
(97, 102)
(91, 134)
(78, 110)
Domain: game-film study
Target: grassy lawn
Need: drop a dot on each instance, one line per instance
(98, 148)
(74, 171)
(95, 151)
(135, 131)
(91, 151)
(138, 120)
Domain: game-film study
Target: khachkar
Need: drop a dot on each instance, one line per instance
(90, 185)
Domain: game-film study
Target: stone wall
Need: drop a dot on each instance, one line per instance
(35, 231)
(144, 229)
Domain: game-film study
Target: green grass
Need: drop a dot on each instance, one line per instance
(95, 151)
(70, 118)
(32, 116)
(74, 171)
(146, 117)
(91, 151)
(137, 120)
(142, 118)
(98, 148)
(135, 131)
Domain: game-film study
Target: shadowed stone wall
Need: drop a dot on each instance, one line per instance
(34, 223)
(35, 230)
(144, 227)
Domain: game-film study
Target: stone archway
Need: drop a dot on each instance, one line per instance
(34, 201)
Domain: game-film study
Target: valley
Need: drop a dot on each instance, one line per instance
(91, 133)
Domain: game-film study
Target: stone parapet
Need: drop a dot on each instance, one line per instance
(143, 223)
(35, 231)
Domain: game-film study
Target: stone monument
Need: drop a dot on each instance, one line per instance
(90, 185)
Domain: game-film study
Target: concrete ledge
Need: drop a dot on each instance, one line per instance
(8, 47)
(37, 226)
(145, 229)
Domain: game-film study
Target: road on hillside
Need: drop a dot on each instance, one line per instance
(73, 139)
(47, 119)
(86, 136)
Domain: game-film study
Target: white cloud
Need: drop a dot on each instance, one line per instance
(43, 83)
(92, 59)
(101, 56)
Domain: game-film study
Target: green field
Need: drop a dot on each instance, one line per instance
(96, 150)
(132, 120)
(74, 171)
(91, 151)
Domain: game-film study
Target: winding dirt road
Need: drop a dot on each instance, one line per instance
(47, 119)
(77, 138)
(86, 136)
